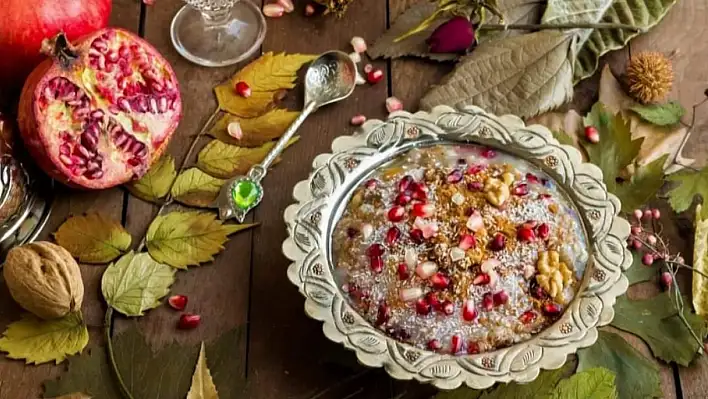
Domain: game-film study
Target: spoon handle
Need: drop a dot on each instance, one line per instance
(280, 145)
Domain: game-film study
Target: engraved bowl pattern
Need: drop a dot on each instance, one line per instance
(330, 185)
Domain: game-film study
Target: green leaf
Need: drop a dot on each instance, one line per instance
(459, 393)
(639, 272)
(616, 149)
(202, 383)
(182, 239)
(539, 388)
(155, 184)
(226, 161)
(40, 341)
(538, 79)
(661, 114)
(136, 283)
(93, 238)
(153, 374)
(597, 383)
(563, 138)
(642, 186)
(690, 184)
(576, 11)
(255, 131)
(637, 377)
(655, 320)
(196, 188)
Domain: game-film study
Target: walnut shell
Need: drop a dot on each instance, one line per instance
(44, 279)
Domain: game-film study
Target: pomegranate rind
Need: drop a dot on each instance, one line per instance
(42, 140)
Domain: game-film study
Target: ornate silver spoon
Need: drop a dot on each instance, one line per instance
(330, 78)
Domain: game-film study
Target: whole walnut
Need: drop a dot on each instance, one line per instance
(44, 279)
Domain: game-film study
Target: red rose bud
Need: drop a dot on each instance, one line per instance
(454, 36)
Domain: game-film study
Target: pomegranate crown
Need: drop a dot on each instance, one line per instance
(59, 48)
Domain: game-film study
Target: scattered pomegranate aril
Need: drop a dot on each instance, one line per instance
(500, 298)
(537, 291)
(552, 309)
(432, 298)
(392, 235)
(467, 241)
(647, 259)
(374, 76)
(475, 186)
(376, 263)
(473, 348)
(405, 183)
(426, 269)
(396, 213)
(447, 307)
(488, 153)
(481, 279)
(455, 344)
(403, 271)
(434, 345)
(440, 281)
(422, 306)
(454, 177)
(487, 302)
(498, 242)
(520, 190)
(416, 236)
(358, 120)
(234, 130)
(410, 294)
(243, 89)
(525, 234)
(592, 135)
(273, 10)
(177, 302)
(383, 314)
(469, 311)
(375, 250)
(531, 178)
(423, 210)
(393, 104)
(474, 169)
(188, 321)
(402, 199)
(287, 5)
(666, 280)
(371, 184)
(309, 10)
(358, 44)
(543, 231)
(527, 317)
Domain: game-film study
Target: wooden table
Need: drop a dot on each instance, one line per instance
(285, 353)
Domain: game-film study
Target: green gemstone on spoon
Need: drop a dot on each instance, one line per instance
(245, 194)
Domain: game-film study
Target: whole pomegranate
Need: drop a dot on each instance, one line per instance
(99, 113)
(25, 23)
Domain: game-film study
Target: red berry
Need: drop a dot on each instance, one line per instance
(420, 187)
(552, 309)
(403, 271)
(376, 264)
(178, 302)
(417, 236)
(488, 153)
(455, 344)
(592, 135)
(392, 235)
(474, 169)
(655, 213)
(396, 213)
(375, 76)
(527, 317)
(454, 177)
(543, 231)
(469, 311)
(422, 306)
(500, 298)
(648, 259)
(188, 321)
(487, 301)
(375, 249)
(520, 190)
(636, 230)
(481, 279)
(525, 234)
(242, 89)
(467, 241)
(531, 178)
(309, 10)
(440, 281)
(666, 280)
(475, 186)
(498, 242)
(447, 307)
(635, 244)
(648, 215)
(402, 199)
(638, 214)
(434, 345)
(473, 348)
(383, 314)
(405, 183)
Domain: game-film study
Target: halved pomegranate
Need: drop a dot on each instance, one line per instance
(98, 114)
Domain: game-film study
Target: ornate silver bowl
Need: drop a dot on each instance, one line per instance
(322, 197)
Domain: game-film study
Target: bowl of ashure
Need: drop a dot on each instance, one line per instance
(457, 247)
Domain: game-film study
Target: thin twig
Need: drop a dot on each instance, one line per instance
(111, 356)
(599, 25)
(686, 136)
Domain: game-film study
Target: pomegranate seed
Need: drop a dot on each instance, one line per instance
(498, 242)
(242, 88)
(403, 271)
(358, 44)
(455, 344)
(666, 280)
(417, 236)
(287, 5)
(375, 250)
(552, 309)
(402, 199)
(638, 214)
(527, 317)
(352, 232)
(537, 291)
(487, 301)
(273, 10)
(371, 184)
(383, 314)
(647, 216)
(178, 302)
(434, 345)
(405, 183)
(375, 76)
(420, 196)
(475, 186)
(426, 269)
(454, 177)
(473, 348)
(368, 68)
(234, 130)
(525, 234)
(440, 281)
(447, 307)
(469, 311)
(396, 213)
(376, 264)
(393, 104)
(423, 210)
(655, 213)
(520, 190)
(481, 279)
(648, 259)
(419, 186)
(488, 153)
(531, 178)
(592, 135)
(189, 321)
(467, 241)
(544, 196)
(358, 120)
(500, 298)
(410, 294)
(309, 10)
(474, 169)
(422, 306)
(543, 231)
(392, 235)
(432, 298)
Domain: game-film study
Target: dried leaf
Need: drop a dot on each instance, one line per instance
(642, 186)
(690, 184)
(226, 161)
(182, 239)
(700, 264)
(415, 44)
(266, 75)
(597, 383)
(155, 184)
(522, 75)
(256, 131)
(655, 320)
(40, 341)
(666, 114)
(202, 384)
(567, 127)
(92, 238)
(136, 283)
(576, 11)
(636, 376)
(196, 188)
(515, 12)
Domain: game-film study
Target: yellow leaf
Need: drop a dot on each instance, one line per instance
(182, 239)
(256, 131)
(265, 76)
(226, 161)
(156, 182)
(92, 238)
(202, 384)
(570, 123)
(196, 188)
(40, 341)
(700, 264)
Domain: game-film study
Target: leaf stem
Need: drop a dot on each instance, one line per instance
(599, 25)
(111, 355)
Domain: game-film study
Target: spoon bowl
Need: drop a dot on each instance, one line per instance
(330, 78)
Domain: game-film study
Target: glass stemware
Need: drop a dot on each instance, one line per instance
(218, 33)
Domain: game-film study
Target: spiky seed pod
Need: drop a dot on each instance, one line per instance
(649, 76)
(337, 7)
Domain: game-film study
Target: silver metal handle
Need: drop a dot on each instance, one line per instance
(283, 142)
